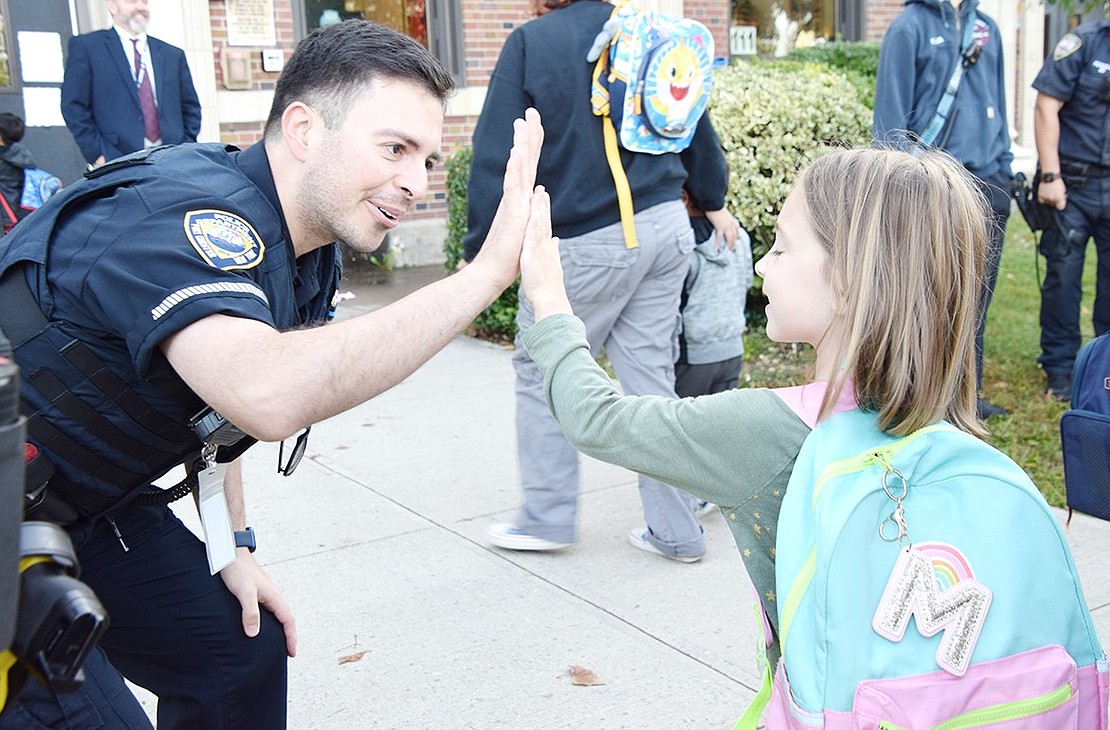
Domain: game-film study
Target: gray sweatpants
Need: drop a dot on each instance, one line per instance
(628, 299)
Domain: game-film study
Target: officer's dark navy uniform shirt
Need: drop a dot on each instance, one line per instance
(201, 233)
(1078, 74)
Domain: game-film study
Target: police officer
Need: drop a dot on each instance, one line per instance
(181, 280)
(1072, 127)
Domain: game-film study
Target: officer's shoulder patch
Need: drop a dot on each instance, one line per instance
(223, 239)
(1066, 46)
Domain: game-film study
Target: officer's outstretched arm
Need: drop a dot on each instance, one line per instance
(298, 378)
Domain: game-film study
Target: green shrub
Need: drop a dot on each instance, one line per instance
(857, 62)
(774, 117)
(458, 172)
(498, 321)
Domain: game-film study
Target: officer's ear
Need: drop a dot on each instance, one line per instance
(299, 122)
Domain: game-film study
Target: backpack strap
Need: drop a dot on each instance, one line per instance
(750, 719)
(11, 214)
(967, 58)
(599, 101)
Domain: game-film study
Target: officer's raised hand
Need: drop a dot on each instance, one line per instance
(506, 233)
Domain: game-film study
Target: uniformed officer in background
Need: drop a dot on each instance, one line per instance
(181, 280)
(1072, 128)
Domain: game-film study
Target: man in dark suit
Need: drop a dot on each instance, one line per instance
(124, 90)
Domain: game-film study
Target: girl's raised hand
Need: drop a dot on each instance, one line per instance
(540, 269)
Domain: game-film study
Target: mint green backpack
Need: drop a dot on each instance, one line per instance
(924, 583)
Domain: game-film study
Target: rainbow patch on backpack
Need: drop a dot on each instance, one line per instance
(223, 239)
(934, 583)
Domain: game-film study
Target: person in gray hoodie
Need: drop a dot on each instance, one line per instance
(14, 159)
(917, 60)
(711, 333)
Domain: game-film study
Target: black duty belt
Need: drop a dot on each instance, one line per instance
(1084, 169)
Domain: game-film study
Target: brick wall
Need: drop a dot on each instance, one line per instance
(283, 26)
(244, 135)
(714, 15)
(486, 25)
(877, 17)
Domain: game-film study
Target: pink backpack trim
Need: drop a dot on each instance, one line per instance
(927, 700)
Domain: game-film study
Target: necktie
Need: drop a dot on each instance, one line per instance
(146, 98)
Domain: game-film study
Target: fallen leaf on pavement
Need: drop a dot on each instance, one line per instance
(352, 657)
(583, 677)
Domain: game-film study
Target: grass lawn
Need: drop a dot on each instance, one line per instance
(1011, 378)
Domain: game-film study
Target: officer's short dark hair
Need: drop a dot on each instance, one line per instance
(334, 64)
(11, 128)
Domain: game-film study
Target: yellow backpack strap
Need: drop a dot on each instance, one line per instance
(624, 192)
(8, 664)
(599, 101)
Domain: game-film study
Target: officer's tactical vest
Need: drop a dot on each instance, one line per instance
(105, 440)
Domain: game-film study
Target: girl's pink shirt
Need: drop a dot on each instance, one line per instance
(805, 400)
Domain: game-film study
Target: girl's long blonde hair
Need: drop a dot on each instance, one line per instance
(907, 239)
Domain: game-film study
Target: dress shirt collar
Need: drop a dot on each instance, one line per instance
(126, 37)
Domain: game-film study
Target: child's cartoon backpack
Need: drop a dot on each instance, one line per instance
(38, 187)
(652, 76)
(1085, 431)
(924, 583)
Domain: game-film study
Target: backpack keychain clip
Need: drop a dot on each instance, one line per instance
(897, 518)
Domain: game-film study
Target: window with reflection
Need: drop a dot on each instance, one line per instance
(407, 16)
(433, 23)
(780, 26)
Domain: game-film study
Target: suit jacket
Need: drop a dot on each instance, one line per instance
(100, 103)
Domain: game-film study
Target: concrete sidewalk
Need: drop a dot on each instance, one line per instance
(377, 543)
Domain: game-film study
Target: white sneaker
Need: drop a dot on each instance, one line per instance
(509, 536)
(704, 509)
(638, 539)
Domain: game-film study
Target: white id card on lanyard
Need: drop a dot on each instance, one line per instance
(219, 538)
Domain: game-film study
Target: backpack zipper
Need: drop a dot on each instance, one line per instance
(1001, 713)
(879, 456)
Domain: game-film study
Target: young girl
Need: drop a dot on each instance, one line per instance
(877, 263)
(882, 281)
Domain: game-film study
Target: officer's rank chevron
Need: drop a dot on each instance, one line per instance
(223, 239)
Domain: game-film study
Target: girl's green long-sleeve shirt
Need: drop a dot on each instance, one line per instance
(736, 448)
